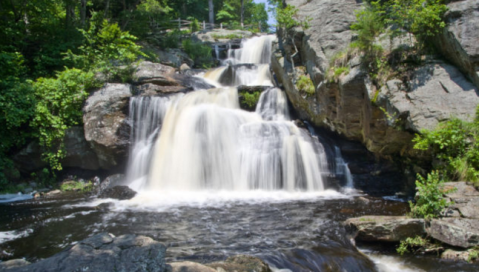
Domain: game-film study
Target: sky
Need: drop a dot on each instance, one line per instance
(271, 20)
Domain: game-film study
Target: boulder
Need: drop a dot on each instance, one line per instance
(10, 264)
(104, 252)
(459, 41)
(243, 263)
(106, 124)
(150, 89)
(459, 232)
(155, 73)
(120, 192)
(465, 200)
(385, 228)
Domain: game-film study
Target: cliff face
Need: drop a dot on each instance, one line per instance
(433, 92)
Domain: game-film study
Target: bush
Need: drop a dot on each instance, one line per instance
(411, 243)
(195, 25)
(59, 106)
(455, 144)
(430, 196)
(199, 52)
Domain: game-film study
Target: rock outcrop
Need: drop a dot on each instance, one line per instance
(120, 192)
(384, 120)
(239, 263)
(102, 252)
(105, 118)
(459, 41)
(385, 228)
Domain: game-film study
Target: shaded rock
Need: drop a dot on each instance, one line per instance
(241, 263)
(10, 264)
(120, 192)
(174, 57)
(459, 232)
(106, 124)
(79, 153)
(188, 267)
(192, 82)
(184, 67)
(459, 40)
(385, 228)
(104, 252)
(155, 73)
(52, 193)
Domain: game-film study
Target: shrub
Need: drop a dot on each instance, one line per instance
(195, 25)
(199, 52)
(250, 100)
(76, 186)
(455, 144)
(306, 85)
(430, 201)
(411, 243)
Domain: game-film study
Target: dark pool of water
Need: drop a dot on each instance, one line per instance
(300, 235)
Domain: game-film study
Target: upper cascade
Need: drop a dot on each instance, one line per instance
(204, 141)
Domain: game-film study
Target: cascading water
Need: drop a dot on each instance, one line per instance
(206, 142)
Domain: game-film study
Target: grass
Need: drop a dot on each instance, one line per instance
(69, 186)
(229, 36)
(305, 84)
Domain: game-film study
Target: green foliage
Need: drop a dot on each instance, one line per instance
(421, 18)
(306, 85)
(411, 243)
(76, 186)
(59, 102)
(286, 18)
(368, 26)
(106, 48)
(430, 201)
(250, 100)
(199, 52)
(455, 144)
(473, 255)
(195, 25)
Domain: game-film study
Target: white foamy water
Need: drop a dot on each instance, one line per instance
(386, 263)
(6, 236)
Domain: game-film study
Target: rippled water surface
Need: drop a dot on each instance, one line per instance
(299, 232)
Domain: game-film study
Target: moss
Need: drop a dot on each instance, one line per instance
(305, 84)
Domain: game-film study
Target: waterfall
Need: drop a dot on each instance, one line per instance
(342, 169)
(204, 141)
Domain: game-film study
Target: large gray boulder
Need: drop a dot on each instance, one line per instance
(385, 228)
(219, 35)
(105, 118)
(103, 252)
(243, 263)
(459, 41)
(458, 232)
(155, 73)
(465, 200)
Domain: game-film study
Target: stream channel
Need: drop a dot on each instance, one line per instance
(215, 181)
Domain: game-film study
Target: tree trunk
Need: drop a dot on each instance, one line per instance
(242, 13)
(107, 7)
(83, 13)
(211, 13)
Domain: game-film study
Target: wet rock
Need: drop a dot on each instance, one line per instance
(188, 267)
(385, 228)
(184, 67)
(457, 255)
(150, 89)
(104, 252)
(243, 263)
(10, 264)
(106, 124)
(155, 73)
(459, 232)
(119, 192)
(52, 193)
(458, 42)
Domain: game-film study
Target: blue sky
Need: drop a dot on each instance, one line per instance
(271, 20)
